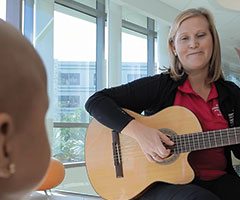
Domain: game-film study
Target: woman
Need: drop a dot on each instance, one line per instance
(195, 81)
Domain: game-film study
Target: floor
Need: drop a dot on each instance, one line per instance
(59, 196)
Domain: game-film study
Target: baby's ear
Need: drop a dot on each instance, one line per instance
(7, 168)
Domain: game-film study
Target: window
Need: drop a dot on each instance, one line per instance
(131, 77)
(75, 66)
(3, 9)
(74, 57)
(234, 78)
(138, 46)
(69, 101)
(69, 78)
(134, 55)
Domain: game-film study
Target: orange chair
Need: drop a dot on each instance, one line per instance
(53, 177)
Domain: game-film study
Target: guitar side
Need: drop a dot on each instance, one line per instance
(138, 172)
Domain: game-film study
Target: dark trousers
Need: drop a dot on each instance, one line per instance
(226, 187)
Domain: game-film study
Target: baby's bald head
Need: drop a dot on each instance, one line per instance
(24, 147)
(22, 75)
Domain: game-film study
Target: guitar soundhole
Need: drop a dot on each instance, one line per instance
(173, 156)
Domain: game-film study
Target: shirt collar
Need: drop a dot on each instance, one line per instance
(187, 88)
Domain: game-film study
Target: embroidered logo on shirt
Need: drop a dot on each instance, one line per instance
(216, 110)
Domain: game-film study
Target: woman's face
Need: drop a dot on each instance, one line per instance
(193, 44)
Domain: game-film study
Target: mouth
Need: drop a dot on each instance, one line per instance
(195, 53)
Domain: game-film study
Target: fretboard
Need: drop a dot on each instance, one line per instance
(206, 140)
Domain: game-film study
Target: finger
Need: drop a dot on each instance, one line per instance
(150, 158)
(157, 158)
(162, 151)
(166, 139)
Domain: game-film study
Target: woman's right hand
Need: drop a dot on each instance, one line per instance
(150, 140)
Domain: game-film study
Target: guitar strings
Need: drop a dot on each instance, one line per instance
(188, 142)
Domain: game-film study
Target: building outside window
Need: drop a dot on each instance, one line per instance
(69, 78)
(134, 56)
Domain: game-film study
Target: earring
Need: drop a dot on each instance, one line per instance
(12, 168)
(7, 172)
(175, 53)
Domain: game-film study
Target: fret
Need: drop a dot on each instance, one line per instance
(228, 137)
(215, 140)
(212, 139)
(218, 138)
(194, 141)
(225, 138)
(189, 142)
(205, 140)
(184, 146)
(175, 139)
(235, 135)
(209, 143)
(237, 132)
(199, 143)
(178, 144)
(232, 136)
(221, 138)
(200, 140)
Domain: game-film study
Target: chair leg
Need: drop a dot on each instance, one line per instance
(47, 193)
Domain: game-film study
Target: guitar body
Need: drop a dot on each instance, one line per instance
(138, 172)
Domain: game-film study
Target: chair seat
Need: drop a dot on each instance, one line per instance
(54, 175)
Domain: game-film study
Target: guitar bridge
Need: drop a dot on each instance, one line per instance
(117, 156)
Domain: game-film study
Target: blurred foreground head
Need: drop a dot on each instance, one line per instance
(24, 146)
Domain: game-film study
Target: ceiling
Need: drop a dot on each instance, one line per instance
(226, 14)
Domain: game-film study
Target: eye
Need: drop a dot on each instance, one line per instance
(201, 35)
(184, 38)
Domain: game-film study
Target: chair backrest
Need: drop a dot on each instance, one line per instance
(54, 175)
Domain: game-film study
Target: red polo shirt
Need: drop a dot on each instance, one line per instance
(210, 163)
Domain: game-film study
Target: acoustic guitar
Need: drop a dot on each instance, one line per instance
(117, 167)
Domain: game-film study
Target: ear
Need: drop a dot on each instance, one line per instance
(173, 48)
(6, 131)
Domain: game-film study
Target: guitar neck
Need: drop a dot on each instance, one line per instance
(206, 140)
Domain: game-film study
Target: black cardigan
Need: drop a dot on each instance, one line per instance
(154, 93)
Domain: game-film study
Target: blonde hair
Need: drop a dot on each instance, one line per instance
(176, 69)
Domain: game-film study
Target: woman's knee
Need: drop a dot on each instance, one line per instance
(178, 192)
(194, 192)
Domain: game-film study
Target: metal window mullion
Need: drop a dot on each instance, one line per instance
(69, 125)
(78, 7)
(134, 27)
(150, 47)
(14, 13)
(28, 19)
(100, 44)
(74, 164)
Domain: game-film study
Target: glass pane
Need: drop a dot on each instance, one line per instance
(134, 56)
(74, 64)
(233, 77)
(3, 9)
(68, 144)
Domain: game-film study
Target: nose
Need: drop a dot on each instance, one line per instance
(193, 43)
